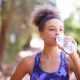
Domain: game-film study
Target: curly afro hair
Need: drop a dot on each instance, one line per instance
(40, 12)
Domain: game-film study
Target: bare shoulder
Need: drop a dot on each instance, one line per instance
(71, 68)
(25, 67)
(28, 63)
(70, 63)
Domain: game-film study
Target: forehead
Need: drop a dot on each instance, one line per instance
(54, 23)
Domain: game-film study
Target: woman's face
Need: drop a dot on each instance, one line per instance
(52, 28)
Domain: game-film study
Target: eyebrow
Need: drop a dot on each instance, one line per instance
(50, 26)
(54, 26)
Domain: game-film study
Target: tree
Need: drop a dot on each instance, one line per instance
(6, 15)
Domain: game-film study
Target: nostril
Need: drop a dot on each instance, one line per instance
(57, 34)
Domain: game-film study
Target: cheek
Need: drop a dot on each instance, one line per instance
(49, 40)
(49, 37)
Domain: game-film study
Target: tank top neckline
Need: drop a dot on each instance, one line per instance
(55, 72)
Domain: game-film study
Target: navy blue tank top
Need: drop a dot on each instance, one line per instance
(60, 74)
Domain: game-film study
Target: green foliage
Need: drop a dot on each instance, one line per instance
(72, 27)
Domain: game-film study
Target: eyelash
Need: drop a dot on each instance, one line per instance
(61, 29)
(51, 29)
(54, 29)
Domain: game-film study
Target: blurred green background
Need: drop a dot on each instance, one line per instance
(16, 32)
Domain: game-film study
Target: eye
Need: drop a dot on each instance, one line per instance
(61, 29)
(51, 29)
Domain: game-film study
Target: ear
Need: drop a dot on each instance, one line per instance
(41, 34)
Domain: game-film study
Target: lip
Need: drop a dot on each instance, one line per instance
(54, 38)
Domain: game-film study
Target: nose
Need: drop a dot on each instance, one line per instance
(57, 32)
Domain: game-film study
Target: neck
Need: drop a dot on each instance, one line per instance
(51, 51)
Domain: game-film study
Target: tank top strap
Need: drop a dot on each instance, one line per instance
(37, 59)
(64, 60)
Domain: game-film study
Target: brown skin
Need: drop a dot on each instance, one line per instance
(50, 56)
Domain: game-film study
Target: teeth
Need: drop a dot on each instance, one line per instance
(67, 46)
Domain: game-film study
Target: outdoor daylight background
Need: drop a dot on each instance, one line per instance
(19, 38)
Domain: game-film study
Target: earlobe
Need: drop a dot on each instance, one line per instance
(41, 35)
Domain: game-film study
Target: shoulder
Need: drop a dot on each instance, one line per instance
(71, 68)
(24, 67)
(70, 63)
(28, 63)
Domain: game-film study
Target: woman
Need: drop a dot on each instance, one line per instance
(52, 63)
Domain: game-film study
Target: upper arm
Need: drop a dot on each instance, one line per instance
(70, 64)
(24, 67)
(71, 68)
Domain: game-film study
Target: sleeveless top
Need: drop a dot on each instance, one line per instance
(60, 74)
